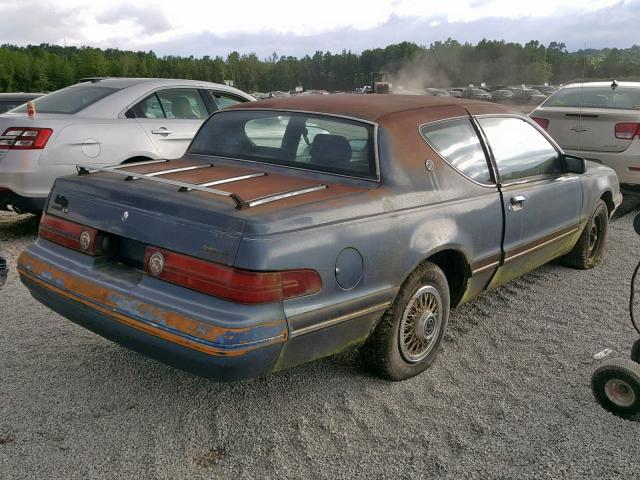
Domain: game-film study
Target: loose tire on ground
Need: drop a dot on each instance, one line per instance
(587, 252)
(616, 387)
(635, 351)
(407, 338)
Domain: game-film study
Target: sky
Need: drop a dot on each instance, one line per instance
(300, 27)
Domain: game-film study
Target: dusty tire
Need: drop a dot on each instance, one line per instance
(407, 338)
(635, 351)
(616, 387)
(587, 253)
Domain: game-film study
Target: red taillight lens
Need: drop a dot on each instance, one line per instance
(23, 138)
(543, 122)
(242, 286)
(626, 131)
(69, 234)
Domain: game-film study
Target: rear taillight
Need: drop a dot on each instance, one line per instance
(71, 235)
(543, 122)
(25, 138)
(242, 286)
(626, 131)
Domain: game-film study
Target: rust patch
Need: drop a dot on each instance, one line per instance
(106, 301)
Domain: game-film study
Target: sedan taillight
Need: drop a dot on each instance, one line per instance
(543, 122)
(626, 131)
(242, 286)
(25, 138)
(71, 235)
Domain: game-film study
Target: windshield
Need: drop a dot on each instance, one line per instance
(623, 98)
(310, 141)
(69, 100)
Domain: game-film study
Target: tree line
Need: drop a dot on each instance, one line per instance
(449, 63)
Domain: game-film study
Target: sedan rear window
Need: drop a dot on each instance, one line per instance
(623, 98)
(310, 141)
(69, 100)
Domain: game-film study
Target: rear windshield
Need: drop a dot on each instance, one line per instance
(69, 100)
(624, 98)
(313, 142)
(6, 105)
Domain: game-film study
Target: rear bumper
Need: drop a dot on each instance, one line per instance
(21, 172)
(622, 162)
(20, 203)
(181, 335)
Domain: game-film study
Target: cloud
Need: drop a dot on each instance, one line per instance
(150, 19)
(608, 27)
(29, 21)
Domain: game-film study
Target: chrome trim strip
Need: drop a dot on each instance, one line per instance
(486, 267)
(135, 164)
(280, 196)
(171, 170)
(337, 320)
(225, 180)
(537, 247)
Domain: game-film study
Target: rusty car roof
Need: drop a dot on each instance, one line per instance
(367, 107)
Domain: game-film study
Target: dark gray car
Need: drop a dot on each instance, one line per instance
(299, 227)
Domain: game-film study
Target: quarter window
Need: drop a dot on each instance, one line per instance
(457, 142)
(519, 149)
(222, 100)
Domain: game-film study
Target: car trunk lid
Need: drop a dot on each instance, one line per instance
(191, 206)
(587, 129)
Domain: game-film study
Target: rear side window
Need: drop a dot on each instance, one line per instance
(457, 142)
(624, 98)
(519, 149)
(182, 103)
(69, 100)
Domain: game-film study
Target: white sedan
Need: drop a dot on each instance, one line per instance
(100, 121)
(599, 121)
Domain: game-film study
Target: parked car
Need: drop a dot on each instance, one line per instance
(100, 121)
(9, 101)
(476, 94)
(502, 95)
(455, 92)
(545, 89)
(263, 248)
(597, 120)
(438, 92)
(528, 96)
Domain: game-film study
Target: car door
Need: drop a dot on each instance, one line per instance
(541, 202)
(171, 117)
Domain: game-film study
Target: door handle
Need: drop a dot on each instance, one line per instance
(517, 202)
(162, 131)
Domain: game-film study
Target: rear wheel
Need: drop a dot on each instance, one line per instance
(616, 387)
(407, 338)
(587, 253)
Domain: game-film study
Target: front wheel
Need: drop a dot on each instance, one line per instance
(587, 252)
(616, 387)
(407, 338)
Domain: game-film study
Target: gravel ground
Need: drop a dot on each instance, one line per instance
(509, 396)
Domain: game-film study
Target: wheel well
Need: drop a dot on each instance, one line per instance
(136, 159)
(455, 267)
(607, 198)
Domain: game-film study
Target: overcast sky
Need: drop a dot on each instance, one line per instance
(299, 27)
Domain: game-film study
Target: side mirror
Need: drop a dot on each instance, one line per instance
(636, 224)
(573, 164)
